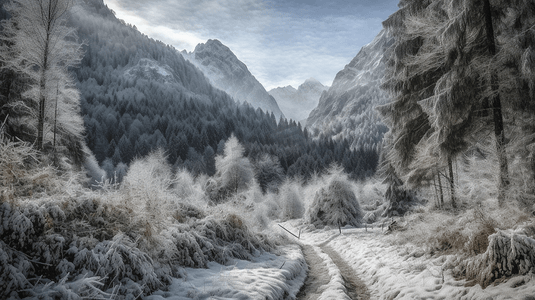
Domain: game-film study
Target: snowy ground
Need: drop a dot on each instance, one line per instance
(268, 276)
(401, 272)
(359, 263)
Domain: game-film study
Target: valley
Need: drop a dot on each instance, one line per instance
(130, 169)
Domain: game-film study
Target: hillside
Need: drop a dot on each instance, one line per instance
(347, 109)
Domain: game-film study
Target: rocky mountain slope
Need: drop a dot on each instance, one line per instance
(226, 72)
(346, 110)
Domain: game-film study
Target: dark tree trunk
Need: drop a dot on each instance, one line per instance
(452, 182)
(440, 189)
(496, 106)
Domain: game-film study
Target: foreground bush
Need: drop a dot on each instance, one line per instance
(508, 253)
(87, 248)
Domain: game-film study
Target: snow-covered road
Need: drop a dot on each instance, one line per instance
(355, 264)
(385, 270)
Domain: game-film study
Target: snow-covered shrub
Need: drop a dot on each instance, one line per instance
(23, 171)
(214, 238)
(184, 184)
(270, 207)
(94, 171)
(184, 212)
(370, 217)
(48, 251)
(118, 262)
(508, 253)
(82, 288)
(189, 189)
(290, 201)
(146, 189)
(234, 172)
(335, 205)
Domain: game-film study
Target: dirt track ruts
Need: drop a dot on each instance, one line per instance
(318, 275)
(355, 287)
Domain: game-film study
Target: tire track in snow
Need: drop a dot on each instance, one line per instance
(355, 287)
(317, 277)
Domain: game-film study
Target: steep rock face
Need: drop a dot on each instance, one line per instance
(346, 110)
(226, 72)
(296, 104)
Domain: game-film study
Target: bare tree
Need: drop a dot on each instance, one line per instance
(38, 44)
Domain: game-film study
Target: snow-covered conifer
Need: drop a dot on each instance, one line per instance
(335, 204)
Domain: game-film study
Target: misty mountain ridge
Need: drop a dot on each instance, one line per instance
(296, 104)
(347, 109)
(226, 72)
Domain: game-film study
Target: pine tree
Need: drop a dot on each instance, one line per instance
(406, 120)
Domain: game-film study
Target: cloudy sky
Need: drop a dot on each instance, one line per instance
(282, 42)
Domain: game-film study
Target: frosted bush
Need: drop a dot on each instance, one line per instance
(146, 189)
(25, 172)
(44, 242)
(290, 201)
(184, 184)
(271, 207)
(119, 241)
(83, 288)
(508, 253)
(268, 173)
(234, 172)
(335, 205)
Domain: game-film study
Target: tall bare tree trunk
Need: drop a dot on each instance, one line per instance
(440, 188)
(47, 18)
(452, 182)
(496, 108)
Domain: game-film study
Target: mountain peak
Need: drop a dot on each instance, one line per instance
(212, 45)
(297, 103)
(312, 80)
(226, 72)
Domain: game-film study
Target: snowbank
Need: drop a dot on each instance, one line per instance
(267, 276)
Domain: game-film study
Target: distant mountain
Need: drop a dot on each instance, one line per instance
(346, 110)
(296, 104)
(226, 72)
(138, 95)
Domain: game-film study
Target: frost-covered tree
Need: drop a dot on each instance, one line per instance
(234, 171)
(468, 90)
(268, 173)
(452, 63)
(38, 44)
(406, 120)
(335, 205)
(290, 201)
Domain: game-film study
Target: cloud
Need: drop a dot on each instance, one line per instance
(282, 42)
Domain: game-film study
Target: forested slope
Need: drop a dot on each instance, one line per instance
(139, 94)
